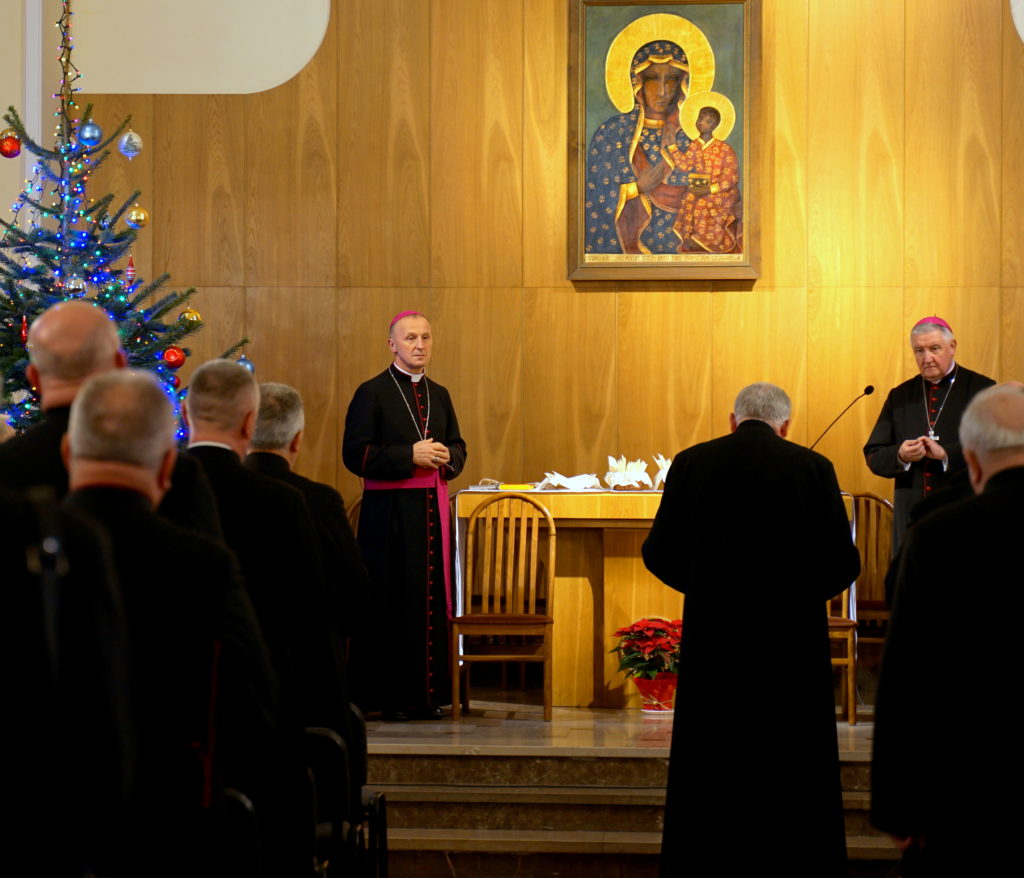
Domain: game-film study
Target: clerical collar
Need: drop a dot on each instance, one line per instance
(415, 377)
(206, 443)
(949, 371)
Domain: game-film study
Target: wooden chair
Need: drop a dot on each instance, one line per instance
(872, 534)
(508, 589)
(842, 628)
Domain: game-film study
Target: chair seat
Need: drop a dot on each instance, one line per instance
(837, 623)
(503, 619)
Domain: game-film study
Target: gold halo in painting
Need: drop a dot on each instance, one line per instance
(646, 29)
(690, 109)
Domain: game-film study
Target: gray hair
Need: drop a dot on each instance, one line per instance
(280, 418)
(994, 420)
(122, 416)
(922, 328)
(221, 393)
(762, 402)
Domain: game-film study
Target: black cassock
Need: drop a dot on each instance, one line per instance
(905, 415)
(399, 656)
(752, 529)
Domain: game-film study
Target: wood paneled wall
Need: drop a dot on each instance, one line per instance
(419, 161)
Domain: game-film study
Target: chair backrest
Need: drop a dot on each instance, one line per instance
(872, 534)
(510, 557)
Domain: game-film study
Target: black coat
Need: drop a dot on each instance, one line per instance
(752, 529)
(267, 525)
(66, 694)
(961, 567)
(348, 582)
(34, 458)
(194, 641)
(903, 417)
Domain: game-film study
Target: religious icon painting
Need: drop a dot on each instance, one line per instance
(663, 97)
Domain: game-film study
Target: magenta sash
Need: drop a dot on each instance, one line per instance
(427, 479)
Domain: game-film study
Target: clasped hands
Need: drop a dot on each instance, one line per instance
(430, 454)
(917, 449)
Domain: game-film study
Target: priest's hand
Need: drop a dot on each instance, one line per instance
(911, 450)
(430, 454)
(932, 449)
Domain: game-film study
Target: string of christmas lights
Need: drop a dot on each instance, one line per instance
(69, 246)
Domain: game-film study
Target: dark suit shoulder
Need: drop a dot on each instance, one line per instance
(33, 458)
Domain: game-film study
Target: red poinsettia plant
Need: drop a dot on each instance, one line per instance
(649, 647)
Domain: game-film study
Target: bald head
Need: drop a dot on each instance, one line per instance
(992, 432)
(67, 345)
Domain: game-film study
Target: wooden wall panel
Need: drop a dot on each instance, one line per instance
(479, 358)
(783, 165)
(953, 169)
(292, 331)
(122, 177)
(476, 143)
(664, 357)
(1012, 150)
(973, 312)
(443, 123)
(752, 340)
(223, 313)
(855, 144)
(199, 147)
(292, 207)
(364, 314)
(853, 339)
(383, 134)
(1012, 367)
(569, 387)
(545, 115)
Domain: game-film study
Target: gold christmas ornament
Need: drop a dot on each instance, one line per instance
(190, 315)
(137, 217)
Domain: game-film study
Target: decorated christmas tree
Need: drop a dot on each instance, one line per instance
(60, 244)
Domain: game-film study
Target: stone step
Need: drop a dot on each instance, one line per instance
(504, 770)
(513, 841)
(629, 809)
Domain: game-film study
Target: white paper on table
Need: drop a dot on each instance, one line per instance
(663, 463)
(584, 482)
(626, 474)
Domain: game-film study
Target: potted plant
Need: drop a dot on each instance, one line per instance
(649, 654)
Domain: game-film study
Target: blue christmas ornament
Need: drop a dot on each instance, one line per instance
(90, 134)
(245, 361)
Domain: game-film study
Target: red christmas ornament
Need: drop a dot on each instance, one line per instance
(10, 147)
(24, 329)
(129, 270)
(175, 381)
(174, 357)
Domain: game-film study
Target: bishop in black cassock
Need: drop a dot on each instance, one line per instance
(929, 405)
(403, 439)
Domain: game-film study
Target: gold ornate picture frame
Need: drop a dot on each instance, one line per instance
(663, 100)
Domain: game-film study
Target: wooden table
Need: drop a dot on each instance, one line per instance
(601, 584)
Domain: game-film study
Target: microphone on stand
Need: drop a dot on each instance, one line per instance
(867, 392)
